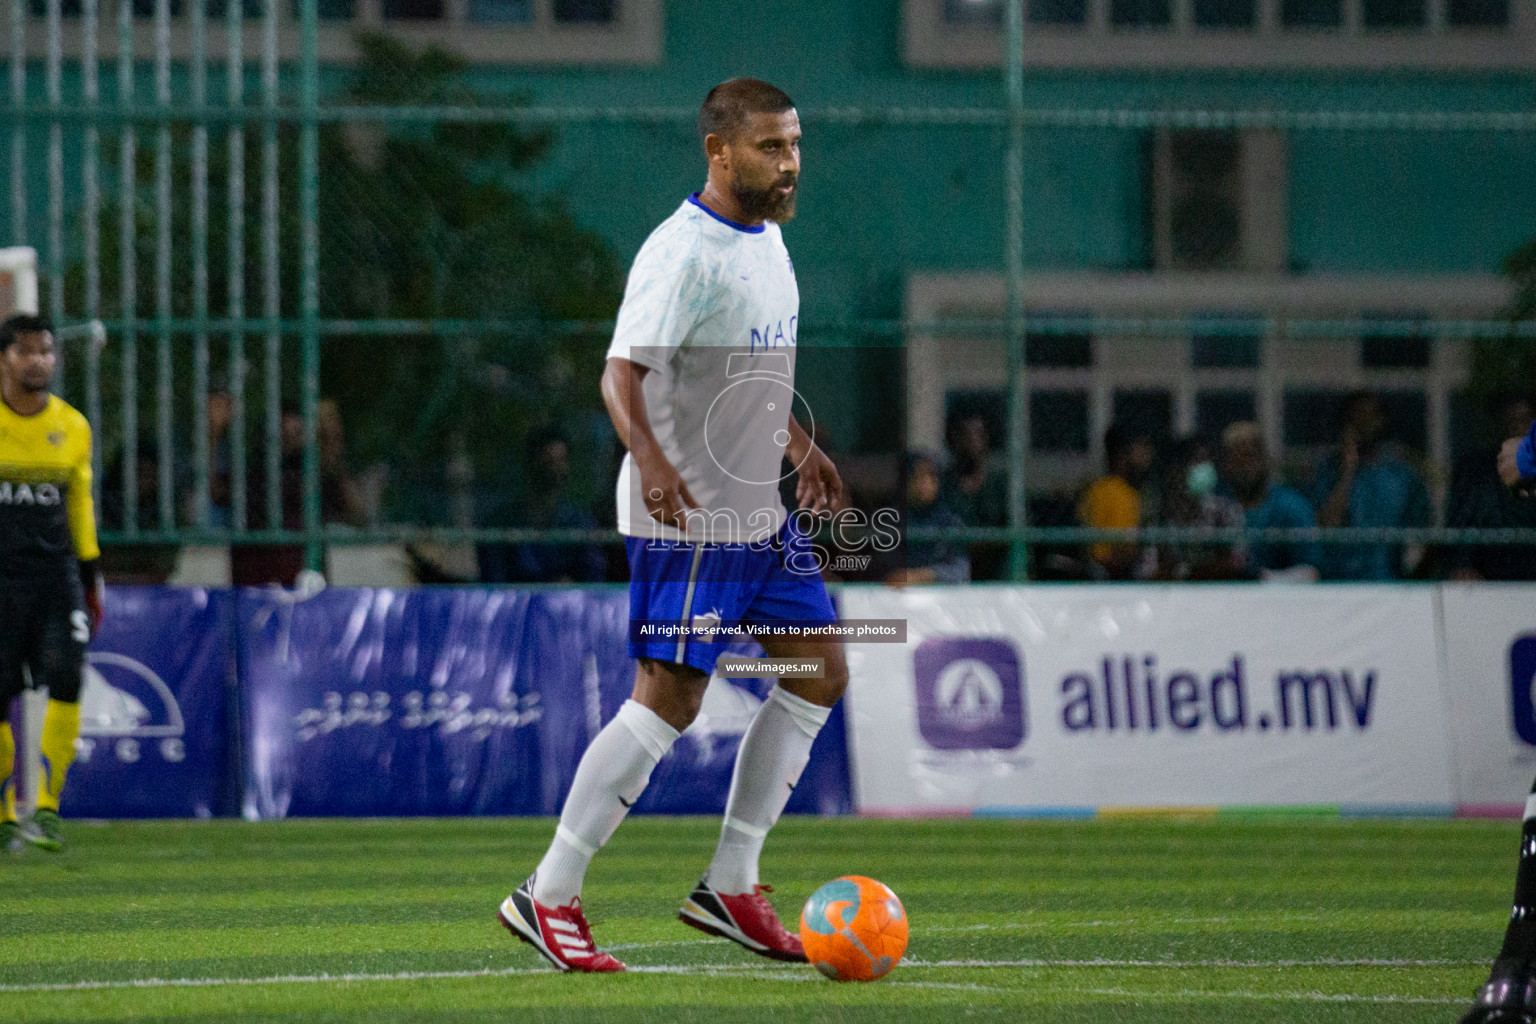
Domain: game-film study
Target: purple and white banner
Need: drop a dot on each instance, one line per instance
(1066, 698)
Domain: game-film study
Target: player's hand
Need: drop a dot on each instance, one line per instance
(666, 495)
(1509, 467)
(95, 592)
(95, 600)
(819, 488)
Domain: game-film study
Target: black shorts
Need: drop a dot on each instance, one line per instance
(44, 630)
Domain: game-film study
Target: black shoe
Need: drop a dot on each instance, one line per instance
(1508, 997)
(11, 840)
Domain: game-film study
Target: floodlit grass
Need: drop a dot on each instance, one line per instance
(1112, 920)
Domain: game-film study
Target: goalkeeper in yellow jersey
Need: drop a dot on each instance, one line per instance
(50, 587)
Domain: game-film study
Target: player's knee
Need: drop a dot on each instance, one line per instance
(674, 692)
(834, 677)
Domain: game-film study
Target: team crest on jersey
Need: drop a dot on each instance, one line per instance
(56, 438)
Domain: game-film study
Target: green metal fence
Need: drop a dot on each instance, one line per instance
(266, 328)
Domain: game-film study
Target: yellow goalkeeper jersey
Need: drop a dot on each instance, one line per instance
(47, 519)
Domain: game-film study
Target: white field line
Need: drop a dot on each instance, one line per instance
(1292, 997)
(1190, 964)
(781, 972)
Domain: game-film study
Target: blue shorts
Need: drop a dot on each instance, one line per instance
(679, 582)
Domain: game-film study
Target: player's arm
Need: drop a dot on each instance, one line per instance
(81, 510)
(1517, 463)
(819, 488)
(666, 495)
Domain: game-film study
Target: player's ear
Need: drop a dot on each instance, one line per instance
(716, 149)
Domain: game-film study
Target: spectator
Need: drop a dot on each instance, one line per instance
(258, 564)
(1190, 500)
(135, 563)
(929, 561)
(1113, 501)
(1479, 499)
(221, 414)
(975, 488)
(548, 505)
(1268, 505)
(1367, 483)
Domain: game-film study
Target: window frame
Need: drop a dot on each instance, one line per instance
(634, 37)
(930, 41)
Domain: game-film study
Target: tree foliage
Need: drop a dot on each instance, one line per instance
(418, 221)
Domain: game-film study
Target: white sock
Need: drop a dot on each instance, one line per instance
(612, 775)
(773, 753)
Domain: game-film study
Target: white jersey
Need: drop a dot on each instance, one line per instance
(712, 308)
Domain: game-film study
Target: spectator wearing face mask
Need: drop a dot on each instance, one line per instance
(1267, 505)
(1190, 499)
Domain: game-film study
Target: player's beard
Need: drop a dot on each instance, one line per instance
(767, 203)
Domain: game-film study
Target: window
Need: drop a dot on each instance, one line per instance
(1407, 351)
(1215, 411)
(1311, 13)
(1477, 13)
(1311, 417)
(413, 10)
(1057, 350)
(1226, 36)
(1224, 13)
(584, 12)
(1204, 219)
(248, 8)
(1058, 421)
(1229, 348)
(973, 12)
(1139, 13)
(1392, 14)
(501, 12)
(1407, 418)
(1148, 411)
(1058, 12)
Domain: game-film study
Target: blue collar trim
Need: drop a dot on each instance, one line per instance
(757, 230)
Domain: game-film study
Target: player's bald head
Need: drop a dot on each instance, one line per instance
(730, 104)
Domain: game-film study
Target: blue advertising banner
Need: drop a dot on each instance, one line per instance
(467, 701)
(154, 708)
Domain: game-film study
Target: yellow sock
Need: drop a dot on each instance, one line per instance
(7, 773)
(61, 727)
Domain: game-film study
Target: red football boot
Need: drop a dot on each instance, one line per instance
(748, 920)
(560, 933)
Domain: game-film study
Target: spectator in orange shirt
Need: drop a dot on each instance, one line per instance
(1113, 501)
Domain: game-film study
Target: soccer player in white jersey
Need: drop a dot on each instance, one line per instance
(699, 383)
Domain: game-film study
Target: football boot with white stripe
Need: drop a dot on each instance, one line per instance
(561, 934)
(748, 920)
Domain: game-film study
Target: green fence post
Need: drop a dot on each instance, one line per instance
(1018, 393)
(309, 215)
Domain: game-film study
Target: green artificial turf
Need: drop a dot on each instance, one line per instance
(1234, 919)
